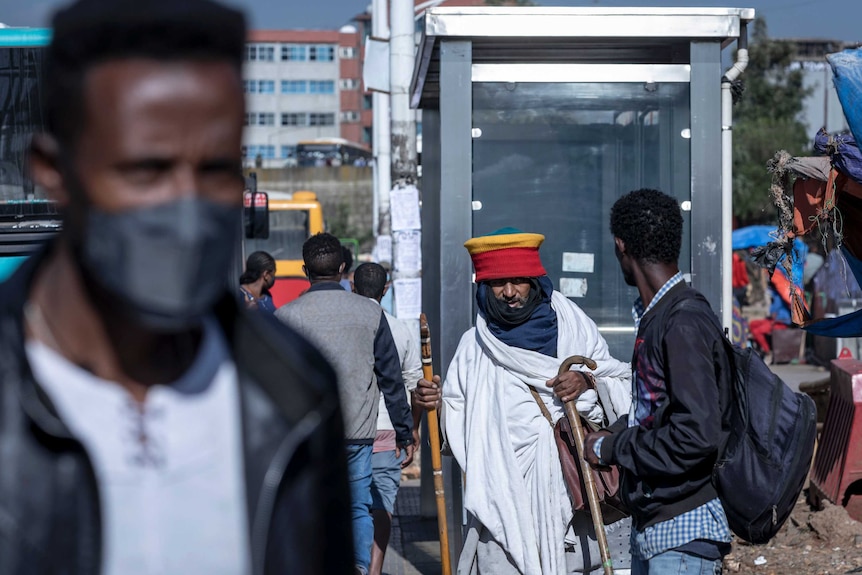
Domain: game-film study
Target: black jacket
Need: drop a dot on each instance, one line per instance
(666, 462)
(295, 468)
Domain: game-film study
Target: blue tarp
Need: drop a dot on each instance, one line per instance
(847, 76)
(758, 236)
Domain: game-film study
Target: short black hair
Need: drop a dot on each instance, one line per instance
(347, 255)
(91, 32)
(369, 280)
(322, 255)
(649, 222)
(257, 264)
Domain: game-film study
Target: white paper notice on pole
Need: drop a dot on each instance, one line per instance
(408, 297)
(375, 71)
(383, 250)
(404, 208)
(408, 250)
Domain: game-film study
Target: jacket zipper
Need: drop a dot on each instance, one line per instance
(272, 481)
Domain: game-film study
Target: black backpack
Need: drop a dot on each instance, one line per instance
(764, 462)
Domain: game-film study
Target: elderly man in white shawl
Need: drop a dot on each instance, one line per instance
(520, 518)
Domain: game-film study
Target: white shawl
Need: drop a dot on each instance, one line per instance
(499, 437)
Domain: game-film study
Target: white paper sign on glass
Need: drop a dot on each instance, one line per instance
(573, 287)
(579, 263)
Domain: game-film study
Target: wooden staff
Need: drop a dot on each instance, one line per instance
(586, 470)
(436, 459)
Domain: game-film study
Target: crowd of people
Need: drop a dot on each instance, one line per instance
(154, 422)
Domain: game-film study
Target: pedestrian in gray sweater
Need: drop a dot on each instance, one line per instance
(352, 333)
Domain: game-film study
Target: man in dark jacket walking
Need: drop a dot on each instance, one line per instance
(669, 442)
(149, 424)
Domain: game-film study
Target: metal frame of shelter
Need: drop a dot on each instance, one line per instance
(464, 48)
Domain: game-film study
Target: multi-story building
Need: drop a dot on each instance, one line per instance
(307, 84)
(300, 85)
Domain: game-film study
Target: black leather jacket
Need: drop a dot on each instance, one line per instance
(295, 469)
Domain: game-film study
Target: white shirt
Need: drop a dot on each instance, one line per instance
(411, 364)
(170, 470)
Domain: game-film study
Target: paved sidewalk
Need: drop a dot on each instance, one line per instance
(414, 547)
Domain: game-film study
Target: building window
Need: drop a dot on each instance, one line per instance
(321, 119)
(288, 152)
(260, 119)
(259, 86)
(346, 52)
(348, 117)
(265, 152)
(294, 87)
(367, 101)
(321, 53)
(321, 86)
(294, 119)
(366, 135)
(259, 53)
(294, 52)
(348, 84)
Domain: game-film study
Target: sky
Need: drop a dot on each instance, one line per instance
(829, 19)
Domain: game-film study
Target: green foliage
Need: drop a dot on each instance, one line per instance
(765, 120)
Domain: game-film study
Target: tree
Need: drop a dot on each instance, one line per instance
(766, 119)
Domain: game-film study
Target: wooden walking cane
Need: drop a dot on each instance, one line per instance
(436, 459)
(586, 471)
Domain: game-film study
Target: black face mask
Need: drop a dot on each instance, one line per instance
(503, 315)
(165, 265)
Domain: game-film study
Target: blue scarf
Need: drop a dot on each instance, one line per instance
(537, 333)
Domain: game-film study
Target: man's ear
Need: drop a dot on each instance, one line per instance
(341, 268)
(305, 272)
(352, 286)
(620, 245)
(385, 289)
(45, 168)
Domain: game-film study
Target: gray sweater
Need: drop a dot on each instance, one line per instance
(353, 335)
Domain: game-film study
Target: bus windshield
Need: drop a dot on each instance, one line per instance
(288, 230)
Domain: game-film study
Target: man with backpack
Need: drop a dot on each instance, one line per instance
(668, 444)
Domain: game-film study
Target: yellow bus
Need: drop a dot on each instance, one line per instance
(293, 218)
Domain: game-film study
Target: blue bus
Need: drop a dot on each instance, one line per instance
(27, 218)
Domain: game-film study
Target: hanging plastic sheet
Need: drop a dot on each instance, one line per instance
(842, 151)
(766, 239)
(847, 76)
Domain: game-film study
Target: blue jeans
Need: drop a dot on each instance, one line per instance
(359, 477)
(675, 563)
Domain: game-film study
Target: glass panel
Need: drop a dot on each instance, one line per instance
(288, 230)
(553, 158)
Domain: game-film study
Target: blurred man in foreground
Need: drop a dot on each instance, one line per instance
(150, 425)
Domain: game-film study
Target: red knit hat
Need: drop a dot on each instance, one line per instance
(506, 253)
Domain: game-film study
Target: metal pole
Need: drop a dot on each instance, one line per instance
(401, 52)
(380, 133)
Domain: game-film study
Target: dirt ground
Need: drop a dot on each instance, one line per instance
(811, 542)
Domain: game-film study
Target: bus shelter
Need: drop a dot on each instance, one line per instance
(540, 118)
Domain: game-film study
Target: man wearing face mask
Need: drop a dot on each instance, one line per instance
(520, 518)
(151, 425)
